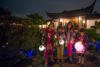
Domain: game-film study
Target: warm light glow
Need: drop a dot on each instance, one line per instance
(84, 21)
(66, 20)
(55, 36)
(80, 18)
(87, 21)
(61, 19)
(48, 23)
(14, 23)
(79, 46)
(40, 26)
(44, 26)
(41, 48)
(61, 42)
(7, 43)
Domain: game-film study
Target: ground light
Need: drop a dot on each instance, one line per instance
(29, 53)
(98, 45)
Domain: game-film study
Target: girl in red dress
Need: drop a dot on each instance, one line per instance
(70, 37)
(83, 38)
(49, 33)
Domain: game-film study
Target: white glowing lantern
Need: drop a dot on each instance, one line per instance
(41, 48)
(79, 46)
(61, 42)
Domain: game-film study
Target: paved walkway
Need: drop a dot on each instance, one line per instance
(92, 59)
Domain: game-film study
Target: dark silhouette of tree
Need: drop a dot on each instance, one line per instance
(36, 19)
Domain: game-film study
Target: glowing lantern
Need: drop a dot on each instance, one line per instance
(41, 48)
(61, 42)
(79, 47)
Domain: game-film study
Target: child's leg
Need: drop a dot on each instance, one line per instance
(67, 49)
(45, 56)
(62, 52)
(82, 62)
(70, 50)
(58, 54)
(51, 52)
(79, 58)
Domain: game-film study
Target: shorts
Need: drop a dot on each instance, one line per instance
(81, 55)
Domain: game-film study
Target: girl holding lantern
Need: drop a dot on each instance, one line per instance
(60, 43)
(70, 37)
(49, 33)
(81, 46)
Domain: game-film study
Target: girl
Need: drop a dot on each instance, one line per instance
(60, 47)
(82, 37)
(49, 33)
(70, 36)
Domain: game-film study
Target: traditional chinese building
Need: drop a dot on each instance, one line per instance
(81, 18)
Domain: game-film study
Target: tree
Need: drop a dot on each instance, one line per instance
(36, 19)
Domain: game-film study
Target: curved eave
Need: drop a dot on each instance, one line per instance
(93, 16)
(72, 13)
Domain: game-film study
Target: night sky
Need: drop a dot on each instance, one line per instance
(24, 7)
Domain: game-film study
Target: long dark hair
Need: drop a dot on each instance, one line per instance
(51, 24)
(66, 27)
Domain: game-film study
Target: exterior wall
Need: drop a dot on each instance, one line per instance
(91, 23)
(81, 22)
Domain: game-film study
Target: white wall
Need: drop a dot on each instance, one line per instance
(91, 23)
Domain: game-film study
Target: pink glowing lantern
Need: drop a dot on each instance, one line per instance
(79, 47)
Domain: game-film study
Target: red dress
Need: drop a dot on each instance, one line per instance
(84, 42)
(70, 37)
(49, 41)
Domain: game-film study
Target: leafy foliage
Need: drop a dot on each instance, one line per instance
(92, 32)
(36, 19)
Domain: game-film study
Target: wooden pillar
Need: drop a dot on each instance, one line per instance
(78, 23)
(85, 23)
